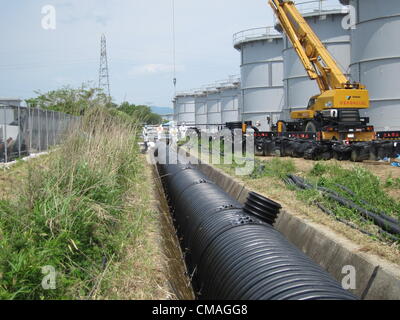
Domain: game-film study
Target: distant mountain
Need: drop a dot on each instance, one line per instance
(161, 110)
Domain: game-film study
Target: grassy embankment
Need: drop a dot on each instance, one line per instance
(86, 210)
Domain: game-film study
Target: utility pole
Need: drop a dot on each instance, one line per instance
(104, 79)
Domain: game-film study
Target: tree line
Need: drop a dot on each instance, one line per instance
(76, 101)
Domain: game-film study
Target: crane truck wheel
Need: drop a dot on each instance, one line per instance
(327, 155)
(355, 156)
(336, 156)
(311, 126)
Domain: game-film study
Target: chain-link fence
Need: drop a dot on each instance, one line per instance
(24, 131)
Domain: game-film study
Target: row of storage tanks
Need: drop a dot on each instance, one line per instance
(210, 107)
(273, 81)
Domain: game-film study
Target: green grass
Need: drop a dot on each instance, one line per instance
(72, 214)
(276, 167)
(365, 185)
(362, 184)
(393, 183)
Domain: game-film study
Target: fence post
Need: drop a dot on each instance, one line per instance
(5, 136)
(30, 129)
(58, 127)
(19, 132)
(53, 128)
(64, 126)
(39, 130)
(47, 133)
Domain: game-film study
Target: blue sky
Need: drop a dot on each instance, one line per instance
(139, 44)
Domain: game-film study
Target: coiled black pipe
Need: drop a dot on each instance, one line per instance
(232, 255)
(383, 214)
(382, 220)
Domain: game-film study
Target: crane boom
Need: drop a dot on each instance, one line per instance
(316, 59)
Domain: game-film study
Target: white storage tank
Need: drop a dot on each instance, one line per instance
(375, 59)
(201, 110)
(261, 75)
(185, 105)
(230, 97)
(214, 118)
(327, 24)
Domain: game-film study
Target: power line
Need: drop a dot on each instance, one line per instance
(104, 79)
(174, 44)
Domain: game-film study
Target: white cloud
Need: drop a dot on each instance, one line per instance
(154, 68)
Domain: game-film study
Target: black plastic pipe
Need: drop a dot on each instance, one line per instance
(383, 221)
(232, 255)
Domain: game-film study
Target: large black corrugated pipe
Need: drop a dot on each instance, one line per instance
(262, 208)
(232, 255)
(254, 262)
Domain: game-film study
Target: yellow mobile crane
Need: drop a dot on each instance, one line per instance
(334, 114)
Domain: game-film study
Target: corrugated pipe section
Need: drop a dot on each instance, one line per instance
(233, 255)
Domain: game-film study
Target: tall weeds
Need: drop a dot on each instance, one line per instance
(71, 216)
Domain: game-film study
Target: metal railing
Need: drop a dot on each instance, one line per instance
(24, 131)
(305, 8)
(317, 6)
(231, 81)
(254, 34)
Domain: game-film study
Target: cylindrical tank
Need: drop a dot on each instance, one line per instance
(230, 98)
(214, 119)
(201, 110)
(299, 88)
(185, 104)
(261, 75)
(230, 101)
(375, 59)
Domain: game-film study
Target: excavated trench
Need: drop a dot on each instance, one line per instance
(229, 250)
(177, 275)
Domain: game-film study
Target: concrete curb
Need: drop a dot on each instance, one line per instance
(376, 279)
